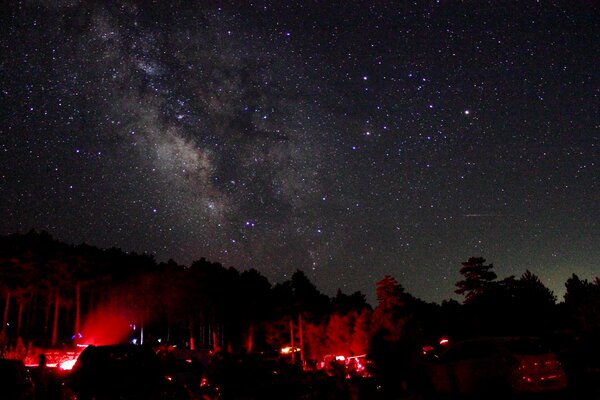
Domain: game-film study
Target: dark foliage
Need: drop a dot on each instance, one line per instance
(50, 291)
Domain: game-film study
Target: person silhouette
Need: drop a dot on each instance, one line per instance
(41, 379)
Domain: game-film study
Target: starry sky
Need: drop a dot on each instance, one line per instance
(347, 139)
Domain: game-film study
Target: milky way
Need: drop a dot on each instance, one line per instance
(350, 142)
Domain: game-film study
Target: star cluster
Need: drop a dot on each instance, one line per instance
(348, 140)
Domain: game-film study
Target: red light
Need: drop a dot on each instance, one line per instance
(427, 349)
(64, 360)
(340, 358)
(444, 341)
(106, 325)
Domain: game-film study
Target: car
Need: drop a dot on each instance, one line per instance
(251, 377)
(499, 366)
(15, 382)
(124, 372)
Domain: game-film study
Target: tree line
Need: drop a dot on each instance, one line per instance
(56, 294)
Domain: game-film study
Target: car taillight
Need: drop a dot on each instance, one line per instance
(539, 365)
(538, 373)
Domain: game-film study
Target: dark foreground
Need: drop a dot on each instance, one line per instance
(57, 385)
(128, 372)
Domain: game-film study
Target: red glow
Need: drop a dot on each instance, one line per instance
(106, 326)
(352, 366)
(427, 349)
(444, 341)
(56, 359)
(537, 373)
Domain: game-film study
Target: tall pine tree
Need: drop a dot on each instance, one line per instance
(477, 278)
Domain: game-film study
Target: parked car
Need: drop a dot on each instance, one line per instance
(124, 372)
(499, 366)
(15, 382)
(251, 377)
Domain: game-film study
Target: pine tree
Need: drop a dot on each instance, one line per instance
(478, 278)
(389, 315)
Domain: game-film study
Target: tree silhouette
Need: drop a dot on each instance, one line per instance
(582, 300)
(207, 305)
(389, 344)
(360, 334)
(343, 303)
(175, 287)
(253, 302)
(533, 292)
(59, 282)
(477, 278)
(306, 295)
(391, 312)
(533, 305)
(17, 283)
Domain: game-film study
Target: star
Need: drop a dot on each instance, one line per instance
(304, 136)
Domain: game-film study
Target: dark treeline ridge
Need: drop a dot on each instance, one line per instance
(50, 291)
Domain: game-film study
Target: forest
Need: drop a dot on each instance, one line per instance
(56, 295)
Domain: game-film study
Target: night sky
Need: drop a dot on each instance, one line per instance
(348, 139)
